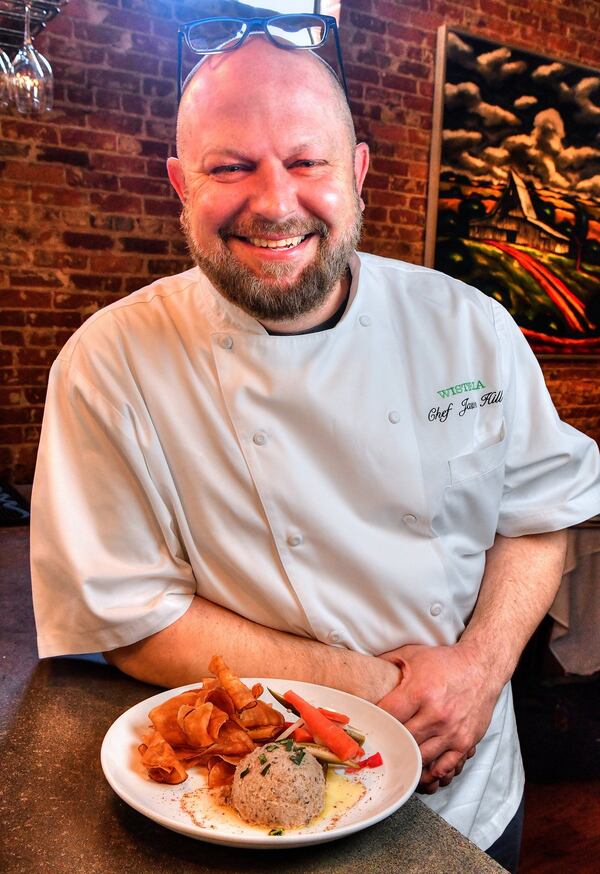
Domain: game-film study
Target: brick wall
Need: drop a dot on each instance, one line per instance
(87, 214)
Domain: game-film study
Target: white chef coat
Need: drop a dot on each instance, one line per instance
(342, 485)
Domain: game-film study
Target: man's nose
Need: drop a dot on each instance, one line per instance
(275, 195)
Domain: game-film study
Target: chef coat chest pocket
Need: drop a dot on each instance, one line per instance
(472, 499)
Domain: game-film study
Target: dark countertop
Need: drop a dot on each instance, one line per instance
(59, 815)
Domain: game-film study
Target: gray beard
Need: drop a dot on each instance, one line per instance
(273, 298)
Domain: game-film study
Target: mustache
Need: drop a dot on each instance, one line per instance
(289, 228)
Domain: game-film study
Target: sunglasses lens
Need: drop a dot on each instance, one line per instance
(300, 31)
(215, 35)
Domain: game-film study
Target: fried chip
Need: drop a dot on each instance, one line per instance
(221, 699)
(164, 717)
(241, 695)
(264, 732)
(262, 714)
(159, 758)
(201, 723)
(257, 690)
(220, 772)
(232, 741)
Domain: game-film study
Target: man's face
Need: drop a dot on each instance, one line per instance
(269, 184)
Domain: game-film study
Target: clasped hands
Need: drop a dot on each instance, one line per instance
(446, 701)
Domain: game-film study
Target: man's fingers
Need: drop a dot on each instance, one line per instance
(402, 707)
(431, 749)
(447, 763)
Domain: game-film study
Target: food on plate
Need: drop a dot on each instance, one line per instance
(278, 785)
(271, 772)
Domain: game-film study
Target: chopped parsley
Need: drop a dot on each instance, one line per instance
(287, 744)
(276, 832)
(243, 774)
(297, 757)
(262, 758)
(271, 747)
(265, 769)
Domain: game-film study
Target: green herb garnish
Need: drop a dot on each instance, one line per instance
(276, 832)
(297, 757)
(262, 758)
(288, 744)
(265, 769)
(271, 747)
(243, 774)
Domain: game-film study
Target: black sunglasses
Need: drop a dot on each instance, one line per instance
(213, 35)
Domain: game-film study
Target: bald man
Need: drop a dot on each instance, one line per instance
(323, 466)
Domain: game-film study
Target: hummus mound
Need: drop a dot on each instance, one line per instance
(277, 786)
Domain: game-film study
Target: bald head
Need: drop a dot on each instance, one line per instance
(260, 71)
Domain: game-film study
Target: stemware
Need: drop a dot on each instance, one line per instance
(6, 76)
(32, 75)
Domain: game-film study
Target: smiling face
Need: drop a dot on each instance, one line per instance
(270, 181)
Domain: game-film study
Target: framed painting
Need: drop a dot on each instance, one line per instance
(514, 186)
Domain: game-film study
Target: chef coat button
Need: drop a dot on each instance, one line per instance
(435, 609)
(260, 438)
(295, 540)
(365, 321)
(409, 519)
(226, 342)
(333, 637)
(394, 416)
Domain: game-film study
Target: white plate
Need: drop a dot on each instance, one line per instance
(388, 787)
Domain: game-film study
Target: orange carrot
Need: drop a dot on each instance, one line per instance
(324, 731)
(334, 716)
(303, 736)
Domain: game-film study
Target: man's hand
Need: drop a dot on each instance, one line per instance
(446, 702)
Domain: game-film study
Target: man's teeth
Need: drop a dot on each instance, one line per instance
(275, 244)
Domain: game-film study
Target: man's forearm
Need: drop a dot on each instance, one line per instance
(522, 576)
(181, 652)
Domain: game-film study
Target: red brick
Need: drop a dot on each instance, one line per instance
(114, 80)
(90, 139)
(117, 203)
(162, 207)
(95, 282)
(114, 121)
(35, 355)
(27, 130)
(142, 185)
(116, 264)
(119, 164)
(34, 173)
(92, 179)
(144, 245)
(87, 241)
(60, 197)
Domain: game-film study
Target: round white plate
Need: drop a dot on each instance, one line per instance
(387, 787)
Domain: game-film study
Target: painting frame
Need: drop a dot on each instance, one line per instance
(545, 255)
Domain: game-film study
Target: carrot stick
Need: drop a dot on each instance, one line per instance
(335, 716)
(324, 730)
(302, 735)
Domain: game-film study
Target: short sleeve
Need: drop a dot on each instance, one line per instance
(106, 562)
(552, 474)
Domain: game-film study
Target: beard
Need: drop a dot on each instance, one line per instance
(273, 296)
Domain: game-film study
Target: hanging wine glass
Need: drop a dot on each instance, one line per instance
(32, 75)
(6, 76)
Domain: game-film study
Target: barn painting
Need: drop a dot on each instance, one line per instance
(514, 189)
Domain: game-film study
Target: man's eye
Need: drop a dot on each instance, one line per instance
(306, 163)
(228, 168)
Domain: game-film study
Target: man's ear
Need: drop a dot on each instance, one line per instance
(175, 172)
(361, 165)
